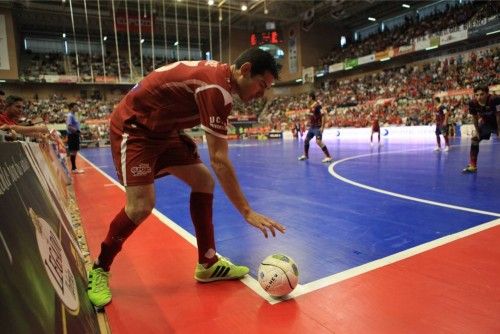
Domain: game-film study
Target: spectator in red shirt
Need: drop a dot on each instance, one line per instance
(13, 110)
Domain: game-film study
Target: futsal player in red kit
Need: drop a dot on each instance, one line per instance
(485, 110)
(148, 142)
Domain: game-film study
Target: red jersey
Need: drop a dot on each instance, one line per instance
(179, 96)
(4, 119)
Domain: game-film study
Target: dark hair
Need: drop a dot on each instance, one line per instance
(312, 95)
(71, 105)
(2, 92)
(483, 88)
(11, 99)
(261, 61)
(437, 99)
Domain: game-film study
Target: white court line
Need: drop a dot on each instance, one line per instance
(356, 271)
(300, 290)
(249, 281)
(332, 171)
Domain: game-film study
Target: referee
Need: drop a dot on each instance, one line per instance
(73, 128)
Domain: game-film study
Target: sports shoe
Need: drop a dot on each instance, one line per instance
(302, 158)
(469, 169)
(437, 149)
(223, 269)
(98, 288)
(77, 171)
(327, 159)
(447, 148)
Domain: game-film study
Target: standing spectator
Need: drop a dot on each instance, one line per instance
(73, 127)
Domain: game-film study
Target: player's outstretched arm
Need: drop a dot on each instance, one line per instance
(224, 170)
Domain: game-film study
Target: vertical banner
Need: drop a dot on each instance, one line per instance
(292, 51)
(4, 50)
(308, 74)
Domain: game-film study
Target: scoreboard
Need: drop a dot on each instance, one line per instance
(266, 37)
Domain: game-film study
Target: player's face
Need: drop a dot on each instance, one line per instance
(481, 96)
(15, 110)
(252, 87)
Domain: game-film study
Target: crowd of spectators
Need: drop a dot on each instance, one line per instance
(35, 66)
(413, 28)
(400, 95)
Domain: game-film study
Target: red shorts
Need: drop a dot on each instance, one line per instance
(375, 127)
(139, 158)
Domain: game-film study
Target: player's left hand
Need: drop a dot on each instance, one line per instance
(264, 223)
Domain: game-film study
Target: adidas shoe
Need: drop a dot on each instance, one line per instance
(223, 269)
(98, 288)
(327, 160)
(302, 158)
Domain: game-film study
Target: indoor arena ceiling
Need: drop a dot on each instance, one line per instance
(53, 16)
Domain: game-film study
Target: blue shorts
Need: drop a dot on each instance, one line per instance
(314, 132)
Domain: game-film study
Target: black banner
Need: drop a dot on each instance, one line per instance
(43, 287)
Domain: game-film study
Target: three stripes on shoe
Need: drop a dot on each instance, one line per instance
(220, 271)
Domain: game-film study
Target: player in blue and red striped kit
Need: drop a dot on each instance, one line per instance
(485, 110)
(316, 127)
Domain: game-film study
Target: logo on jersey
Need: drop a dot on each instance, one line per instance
(217, 122)
(141, 170)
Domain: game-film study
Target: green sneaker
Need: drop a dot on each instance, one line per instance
(98, 288)
(220, 270)
(469, 169)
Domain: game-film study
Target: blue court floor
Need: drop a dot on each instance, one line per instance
(373, 202)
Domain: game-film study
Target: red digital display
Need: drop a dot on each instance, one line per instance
(267, 37)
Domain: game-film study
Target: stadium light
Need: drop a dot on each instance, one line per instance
(244, 7)
(372, 19)
(266, 11)
(176, 43)
(64, 35)
(210, 2)
(105, 38)
(385, 59)
(431, 47)
(142, 40)
(405, 5)
(298, 80)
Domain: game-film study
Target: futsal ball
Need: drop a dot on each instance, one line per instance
(278, 275)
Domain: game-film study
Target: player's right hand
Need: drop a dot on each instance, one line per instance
(264, 223)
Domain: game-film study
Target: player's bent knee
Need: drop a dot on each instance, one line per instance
(203, 182)
(137, 212)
